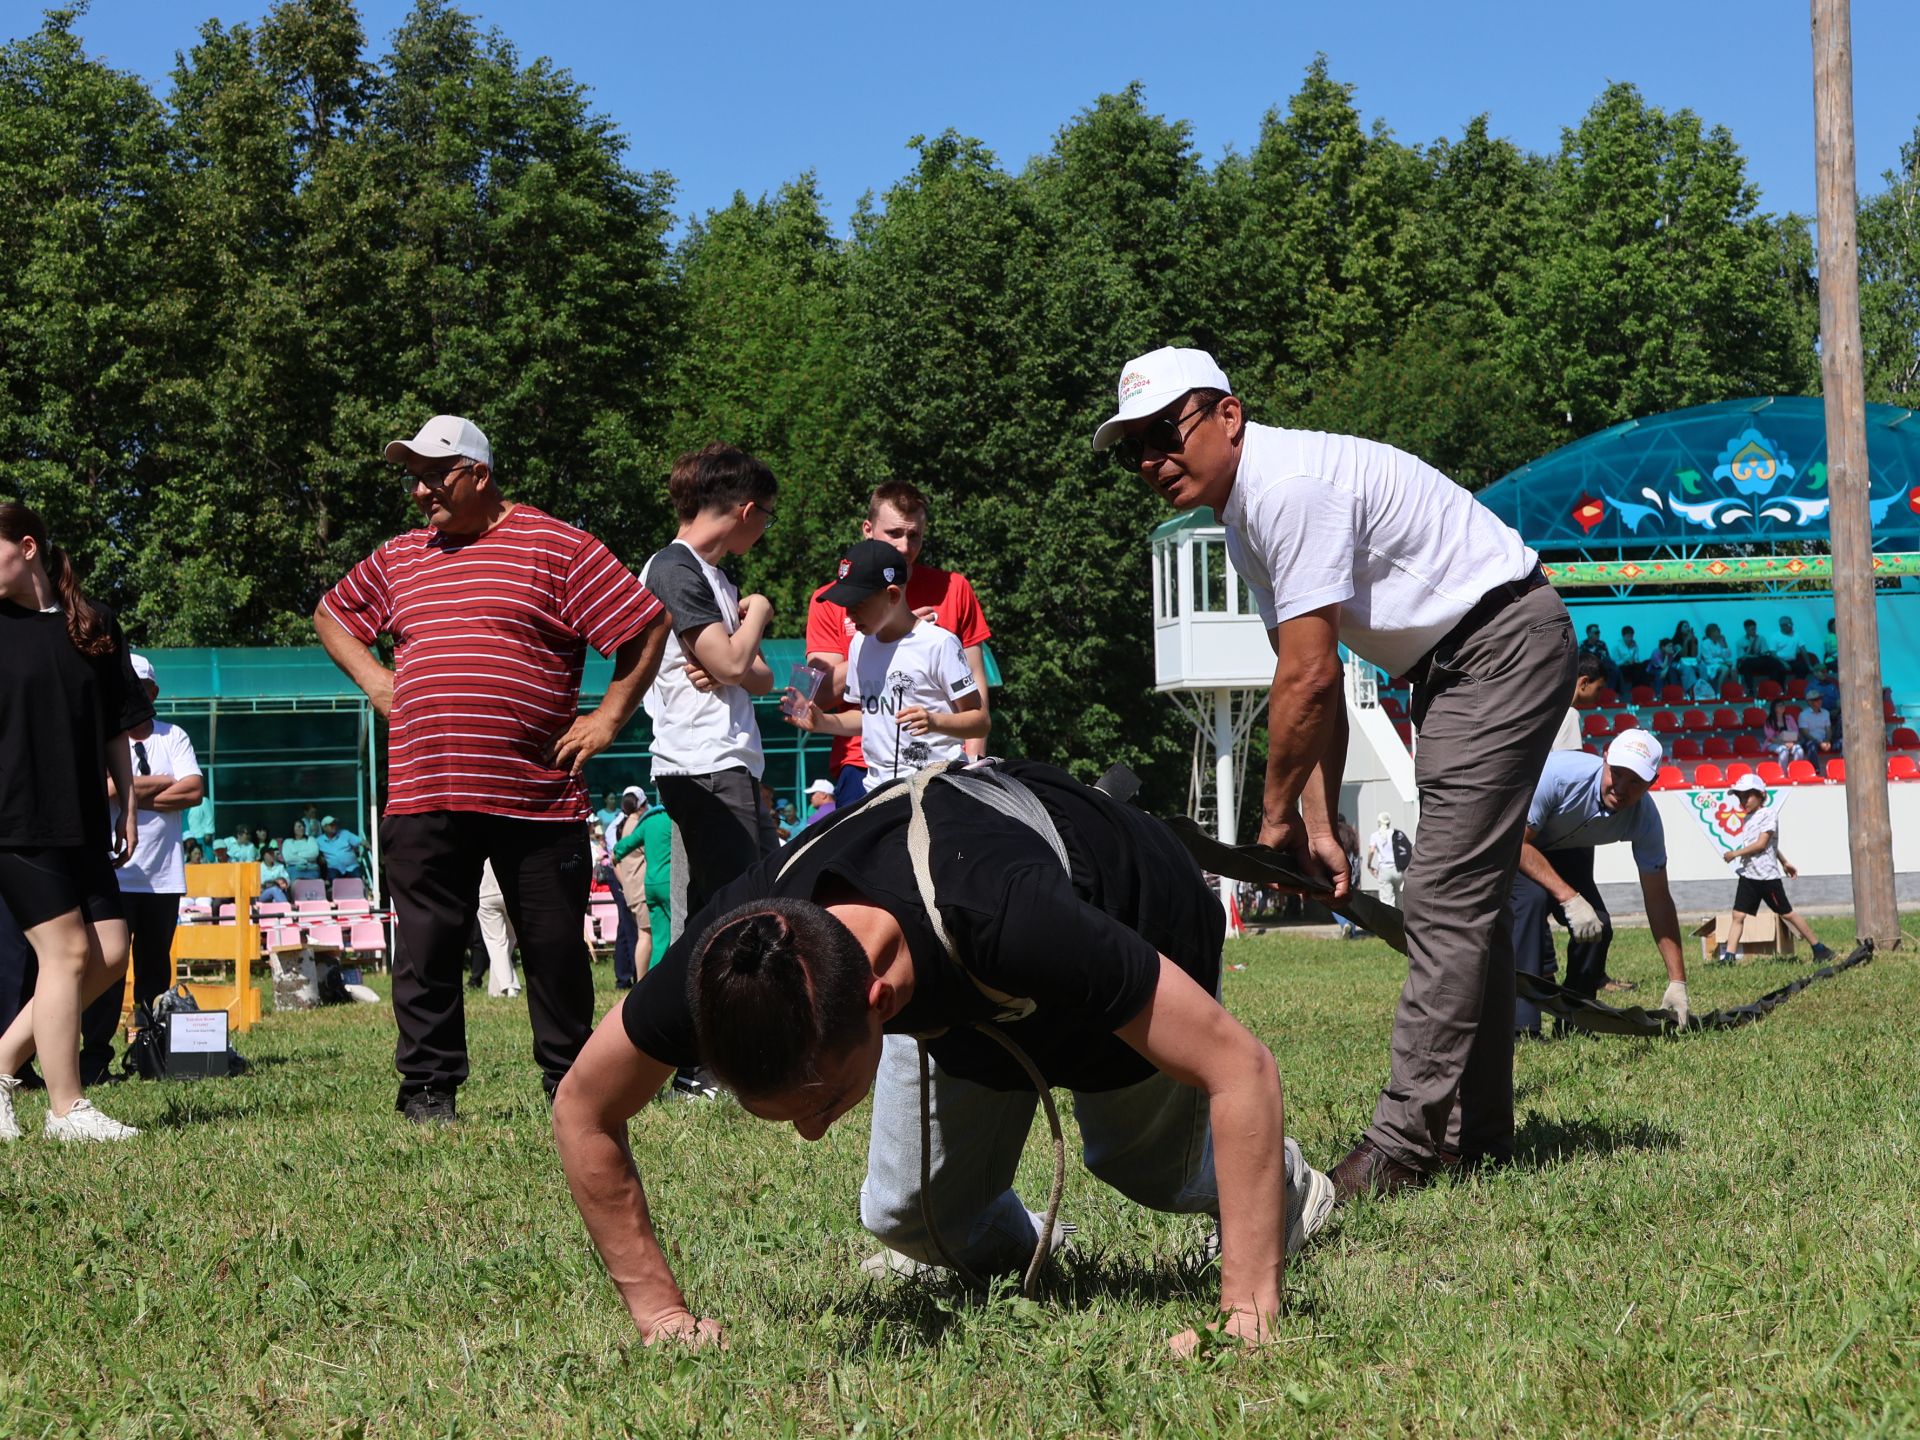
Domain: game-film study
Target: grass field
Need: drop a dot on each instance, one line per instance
(1716, 1235)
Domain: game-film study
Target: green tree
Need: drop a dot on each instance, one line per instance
(1890, 283)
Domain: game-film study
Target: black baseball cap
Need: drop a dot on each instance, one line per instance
(866, 568)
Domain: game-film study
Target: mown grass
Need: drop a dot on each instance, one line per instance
(1715, 1235)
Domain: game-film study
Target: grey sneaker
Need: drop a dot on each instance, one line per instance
(84, 1123)
(887, 1261)
(9, 1122)
(1310, 1200)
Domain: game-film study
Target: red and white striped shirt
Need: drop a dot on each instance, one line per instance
(490, 639)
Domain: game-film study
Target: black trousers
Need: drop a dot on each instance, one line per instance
(151, 921)
(1533, 943)
(433, 864)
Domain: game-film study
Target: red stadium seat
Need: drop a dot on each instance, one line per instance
(1801, 772)
(1595, 725)
(1796, 689)
(1904, 738)
(1719, 747)
(1669, 778)
(1708, 777)
(1903, 767)
(1733, 693)
(1794, 711)
(1737, 769)
(1673, 695)
(1748, 747)
(1767, 690)
(1697, 720)
(1641, 694)
(1836, 771)
(1607, 699)
(1754, 718)
(1726, 718)
(1771, 772)
(1591, 748)
(1687, 749)
(1624, 722)
(1666, 722)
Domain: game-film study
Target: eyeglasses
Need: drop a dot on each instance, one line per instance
(1165, 435)
(434, 479)
(764, 510)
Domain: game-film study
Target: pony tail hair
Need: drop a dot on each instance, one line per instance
(86, 626)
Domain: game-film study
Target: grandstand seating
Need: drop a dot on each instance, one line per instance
(1768, 690)
(1748, 747)
(1771, 772)
(1836, 771)
(1707, 777)
(1737, 769)
(1903, 767)
(1718, 747)
(1801, 772)
(1904, 738)
(1668, 777)
(309, 890)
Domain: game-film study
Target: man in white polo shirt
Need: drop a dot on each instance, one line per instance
(1344, 541)
(166, 784)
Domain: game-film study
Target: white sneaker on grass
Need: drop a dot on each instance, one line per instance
(1310, 1202)
(83, 1122)
(9, 1122)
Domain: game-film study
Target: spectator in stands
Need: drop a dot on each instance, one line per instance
(198, 823)
(1830, 649)
(820, 802)
(628, 845)
(1819, 739)
(240, 847)
(493, 597)
(1686, 657)
(276, 885)
(897, 513)
(1589, 678)
(166, 784)
(1763, 871)
(1781, 734)
(301, 854)
(195, 853)
(1632, 664)
(1716, 660)
(1789, 652)
(310, 817)
(1827, 684)
(341, 851)
(1756, 660)
(608, 812)
(1663, 665)
(1593, 645)
(770, 809)
(1383, 861)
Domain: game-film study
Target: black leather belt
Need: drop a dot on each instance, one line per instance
(1484, 609)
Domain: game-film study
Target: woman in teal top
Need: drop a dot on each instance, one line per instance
(275, 884)
(300, 855)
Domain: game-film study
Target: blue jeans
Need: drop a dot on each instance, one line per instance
(625, 937)
(1150, 1141)
(849, 788)
(1534, 950)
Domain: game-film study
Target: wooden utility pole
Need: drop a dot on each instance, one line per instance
(1857, 624)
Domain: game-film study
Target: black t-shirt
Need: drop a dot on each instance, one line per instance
(1085, 949)
(57, 706)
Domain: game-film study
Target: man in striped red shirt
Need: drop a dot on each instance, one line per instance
(491, 608)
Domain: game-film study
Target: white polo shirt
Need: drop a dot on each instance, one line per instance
(1319, 519)
(158, 867)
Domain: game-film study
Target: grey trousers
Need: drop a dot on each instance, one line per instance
(1490, 710)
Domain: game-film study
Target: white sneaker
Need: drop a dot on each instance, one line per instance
(9, 1122)
(83, 1122)
(1310, 1203)
(888, 1261)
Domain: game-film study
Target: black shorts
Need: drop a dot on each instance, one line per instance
(1747, 898)
(43, 882)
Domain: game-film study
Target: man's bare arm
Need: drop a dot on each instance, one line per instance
(355, 660)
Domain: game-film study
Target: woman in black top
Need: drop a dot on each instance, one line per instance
(67, 699)
(1093, 942)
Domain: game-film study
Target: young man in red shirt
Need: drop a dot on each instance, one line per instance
(897, 514)
(491, 607)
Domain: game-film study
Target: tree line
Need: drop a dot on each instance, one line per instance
(216, 305)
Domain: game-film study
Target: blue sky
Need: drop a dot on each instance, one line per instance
(749, 95)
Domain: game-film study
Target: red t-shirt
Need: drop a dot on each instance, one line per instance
(491, 637)
(956, 608)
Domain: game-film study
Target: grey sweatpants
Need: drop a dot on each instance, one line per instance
(1487, 719)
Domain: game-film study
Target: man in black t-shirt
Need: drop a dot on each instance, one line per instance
(1110, 961)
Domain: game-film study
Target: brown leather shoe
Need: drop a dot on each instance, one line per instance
(1369, 1170)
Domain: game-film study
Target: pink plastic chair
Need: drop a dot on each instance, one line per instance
(368, 937)
(349, 889)
(309, 890)
(326, 937)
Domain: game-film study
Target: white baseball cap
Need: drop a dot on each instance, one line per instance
(1153, 381)
(1749, 785)
(143, 668)
(1637, 751)
(441, 437)
(820, 787)
(636, 792)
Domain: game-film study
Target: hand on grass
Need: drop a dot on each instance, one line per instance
(686, 1328)
(1583, 921)
(1246, 1326)
(1675, 999)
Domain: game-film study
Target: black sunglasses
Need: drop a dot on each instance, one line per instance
(1166, 435)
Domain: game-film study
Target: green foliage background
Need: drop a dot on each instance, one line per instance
(217, 305)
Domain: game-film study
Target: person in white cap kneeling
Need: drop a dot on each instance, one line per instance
(1583, 801)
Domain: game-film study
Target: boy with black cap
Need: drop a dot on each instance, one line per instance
(919, 701)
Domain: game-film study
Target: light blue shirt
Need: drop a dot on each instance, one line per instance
(1566, 813)
(338, 850)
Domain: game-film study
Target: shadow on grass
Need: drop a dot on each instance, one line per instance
(1540, 1142)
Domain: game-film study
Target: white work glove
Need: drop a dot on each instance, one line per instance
(1675, 1000)
(1582, 920)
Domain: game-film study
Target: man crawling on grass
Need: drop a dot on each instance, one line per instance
(1008, 895)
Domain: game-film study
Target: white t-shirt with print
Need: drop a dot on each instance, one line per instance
(157, 866)
(924, 667)
(1318, 519)
(1765, 865)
